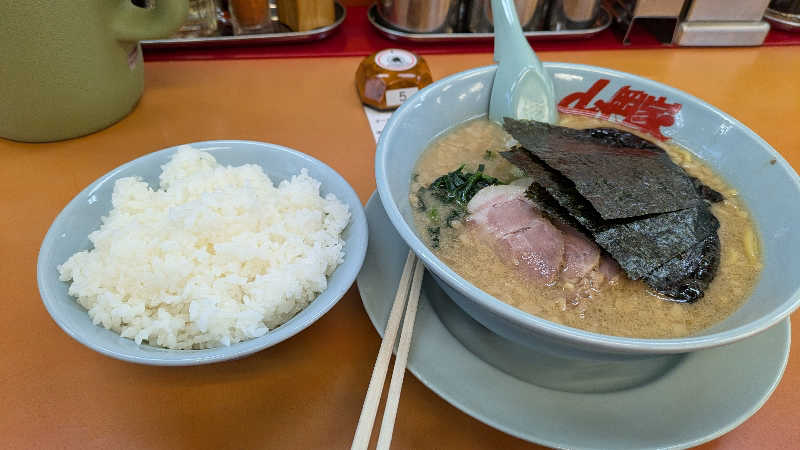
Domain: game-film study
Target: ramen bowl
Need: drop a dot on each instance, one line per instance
(736, 153)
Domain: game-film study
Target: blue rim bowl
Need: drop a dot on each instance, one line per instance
(69, 234)
(745, 160)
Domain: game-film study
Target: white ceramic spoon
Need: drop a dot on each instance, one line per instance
(522, 89)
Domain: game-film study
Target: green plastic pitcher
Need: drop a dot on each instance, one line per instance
(68, 68)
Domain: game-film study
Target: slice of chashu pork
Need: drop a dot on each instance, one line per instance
(545, 252)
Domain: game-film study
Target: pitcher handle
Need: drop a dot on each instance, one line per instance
(132, 23)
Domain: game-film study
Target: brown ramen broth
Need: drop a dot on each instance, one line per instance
(627, 308)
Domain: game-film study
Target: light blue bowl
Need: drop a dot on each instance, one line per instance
(69, 234)
(764, 180)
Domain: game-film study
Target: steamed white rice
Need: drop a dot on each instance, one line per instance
(215, 256)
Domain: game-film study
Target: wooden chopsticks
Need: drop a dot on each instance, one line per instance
(409, 287)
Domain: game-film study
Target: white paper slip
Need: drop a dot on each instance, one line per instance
(377, 120)
(396, 97)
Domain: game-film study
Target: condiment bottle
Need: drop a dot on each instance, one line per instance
(250, 16)
(385, 79)
(304, 15)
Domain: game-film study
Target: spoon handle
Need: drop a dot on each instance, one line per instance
(508, 38)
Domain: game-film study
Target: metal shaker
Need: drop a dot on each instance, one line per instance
(421, 16)
(572, 14)
(532, 15)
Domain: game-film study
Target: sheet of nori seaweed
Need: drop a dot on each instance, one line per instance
(558, 190)
(619, 173)
(705, 192)
(643, 245)
(687, 276)
(646, 247)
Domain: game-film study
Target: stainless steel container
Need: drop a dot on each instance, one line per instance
(421, 16)
(722, 23)
(572, 14)
(784, 14)
(726, 10)
(532, 15)
(791, 7)
(786, 9)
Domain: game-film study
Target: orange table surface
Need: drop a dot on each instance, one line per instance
(306, 392)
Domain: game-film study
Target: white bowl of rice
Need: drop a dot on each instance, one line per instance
(202, 253)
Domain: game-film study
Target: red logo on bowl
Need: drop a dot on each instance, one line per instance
(636, 109)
